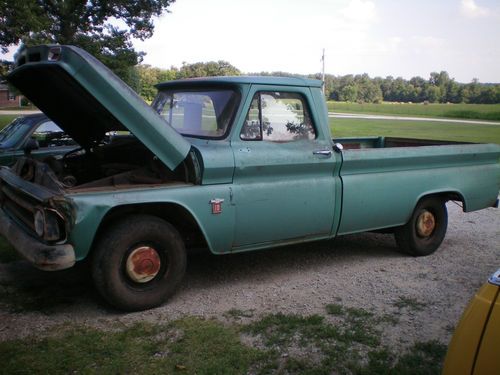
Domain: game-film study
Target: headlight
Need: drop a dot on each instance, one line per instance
(46, 223)
(39, 222)
(52, 231)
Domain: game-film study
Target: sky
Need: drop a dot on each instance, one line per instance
(380, 37)
(403, 38)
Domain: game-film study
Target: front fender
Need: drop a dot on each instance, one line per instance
(93, 207)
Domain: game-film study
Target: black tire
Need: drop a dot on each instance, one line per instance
(118, 282)
(426, 229)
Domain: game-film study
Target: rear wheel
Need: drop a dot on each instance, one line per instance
(425, 231)
(138, 262)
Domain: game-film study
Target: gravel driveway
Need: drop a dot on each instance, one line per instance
(362, 271)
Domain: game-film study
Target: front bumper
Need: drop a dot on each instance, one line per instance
(42, 256)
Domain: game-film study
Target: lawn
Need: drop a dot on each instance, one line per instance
(7, 252)
(415, 129)
(464, 111)
(5, 119)
(276, 343)
(396, 128)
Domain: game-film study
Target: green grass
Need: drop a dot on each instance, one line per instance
(397, 128)
(277, 343)
(238, 314)
(415, 129)
(7, 252)
(409, 303)
(189, 346)
(351, 345)
(463, 111)
(6, 119)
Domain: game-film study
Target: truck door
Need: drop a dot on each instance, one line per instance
(284, 185)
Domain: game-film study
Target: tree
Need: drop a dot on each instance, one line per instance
(4, 67)
(148, 77)
(91, 25)
(208, 69)
(368, 90)
(453, 92)
(488, 95)
(432, 93)
(348, 93)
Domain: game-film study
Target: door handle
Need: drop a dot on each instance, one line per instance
(326, 153)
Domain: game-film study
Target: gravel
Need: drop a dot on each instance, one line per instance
(361, 271)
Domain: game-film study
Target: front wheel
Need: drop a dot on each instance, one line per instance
(138, 262)
(426, 229)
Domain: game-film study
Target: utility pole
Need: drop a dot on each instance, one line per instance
(323, 71)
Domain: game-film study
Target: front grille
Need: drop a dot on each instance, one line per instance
(18, 205)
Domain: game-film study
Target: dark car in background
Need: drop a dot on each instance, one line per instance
(50, 139)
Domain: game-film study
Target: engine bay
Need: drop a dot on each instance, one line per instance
(122, 163)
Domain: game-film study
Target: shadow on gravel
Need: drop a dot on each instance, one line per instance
(26, 289)
(205, 267)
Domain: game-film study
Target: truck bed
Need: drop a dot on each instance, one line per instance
(355, 143)
(383, 178)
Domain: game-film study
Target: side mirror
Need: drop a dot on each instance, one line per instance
(31, 144)
(338, 147)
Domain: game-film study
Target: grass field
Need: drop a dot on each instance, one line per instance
(464, 111)
(415, 129)
(5, 119)
(397, 128)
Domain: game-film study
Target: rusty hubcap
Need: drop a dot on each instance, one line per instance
(143, 264)
(426, 223)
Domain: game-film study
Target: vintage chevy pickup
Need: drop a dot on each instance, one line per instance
(230, 164)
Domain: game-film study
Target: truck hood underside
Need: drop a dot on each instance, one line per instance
(87, 100)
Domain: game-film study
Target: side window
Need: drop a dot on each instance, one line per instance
(48, 134)
(278, 117)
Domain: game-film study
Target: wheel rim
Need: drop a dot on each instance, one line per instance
(143, 264)
(426, 223)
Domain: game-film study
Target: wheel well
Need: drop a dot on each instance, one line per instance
(173, 213)
(447, 196)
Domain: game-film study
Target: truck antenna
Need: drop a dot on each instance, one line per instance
(323, 71)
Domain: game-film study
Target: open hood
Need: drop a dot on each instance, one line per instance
(87, 100)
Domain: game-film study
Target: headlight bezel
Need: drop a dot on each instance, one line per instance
(39, 222)
(49, 224)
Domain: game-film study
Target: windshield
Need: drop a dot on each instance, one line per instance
(204, 114)
(13, 133)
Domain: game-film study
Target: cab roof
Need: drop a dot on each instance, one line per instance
(242, 80)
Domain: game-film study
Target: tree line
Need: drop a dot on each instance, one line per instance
(145, 77)
(438, 88)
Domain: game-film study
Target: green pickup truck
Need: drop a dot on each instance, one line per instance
(229, 163)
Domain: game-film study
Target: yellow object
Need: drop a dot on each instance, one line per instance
(488, 359)
(475, 346)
